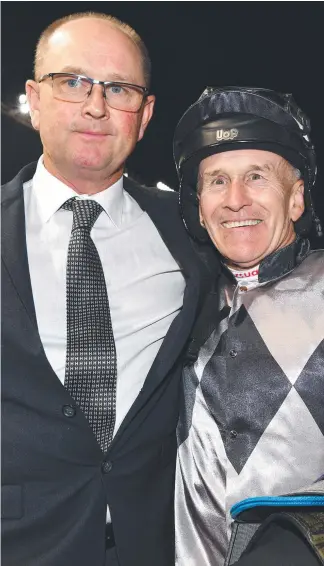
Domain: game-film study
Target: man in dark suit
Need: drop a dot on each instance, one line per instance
(100, 289)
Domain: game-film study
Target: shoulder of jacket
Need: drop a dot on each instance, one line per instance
(24, 175)
(150, 191)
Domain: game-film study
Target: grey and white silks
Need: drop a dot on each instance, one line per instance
(252, 420)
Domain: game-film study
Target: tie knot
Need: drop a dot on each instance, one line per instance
(85, 212)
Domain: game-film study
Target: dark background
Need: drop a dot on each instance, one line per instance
(276, 45)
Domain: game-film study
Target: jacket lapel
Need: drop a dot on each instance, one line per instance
(198, 280)
(14, 249)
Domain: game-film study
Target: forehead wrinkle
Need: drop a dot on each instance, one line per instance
(254, 167)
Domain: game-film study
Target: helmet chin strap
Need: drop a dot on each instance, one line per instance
(310, 206)
(318, 227)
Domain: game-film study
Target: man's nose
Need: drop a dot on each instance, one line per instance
(237, 195)
(95, 104)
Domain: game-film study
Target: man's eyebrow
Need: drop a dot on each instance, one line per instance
(112, 76)
(122, 78)
(252, 167)
(213, 173)
(75, 70)
(264, 167)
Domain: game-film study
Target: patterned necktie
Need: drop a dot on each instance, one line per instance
(91, 364)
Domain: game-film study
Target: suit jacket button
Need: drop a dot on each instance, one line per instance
(233, 353)
(68, 411)
(106, 467)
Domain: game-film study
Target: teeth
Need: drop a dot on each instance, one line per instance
(241, 223)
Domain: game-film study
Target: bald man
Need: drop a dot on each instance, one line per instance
(94, 315)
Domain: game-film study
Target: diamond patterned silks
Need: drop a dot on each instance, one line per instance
(91, 364)
(240, 396)
(310, 386)
(252, 422)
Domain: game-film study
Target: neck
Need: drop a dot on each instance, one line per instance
(290, 238)
(235, 267)
(84, 181)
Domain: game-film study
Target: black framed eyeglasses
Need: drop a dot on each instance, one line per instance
(71, 87)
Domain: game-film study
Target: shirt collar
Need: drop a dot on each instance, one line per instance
(281, 262)
(51, 193)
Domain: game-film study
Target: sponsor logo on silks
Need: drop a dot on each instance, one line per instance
(224, 135)
(246, 274)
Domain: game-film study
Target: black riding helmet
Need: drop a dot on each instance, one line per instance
(230, 118)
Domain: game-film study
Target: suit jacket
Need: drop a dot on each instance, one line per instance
(56, 481)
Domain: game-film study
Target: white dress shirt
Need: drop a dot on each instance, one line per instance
(144, 283)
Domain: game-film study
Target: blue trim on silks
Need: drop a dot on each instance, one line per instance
(280, 501)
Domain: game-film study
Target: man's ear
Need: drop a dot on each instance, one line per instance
(297, 204)
(147, 114)
(32, 92)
